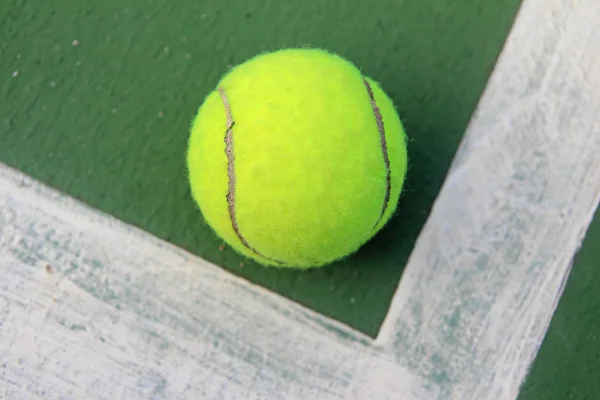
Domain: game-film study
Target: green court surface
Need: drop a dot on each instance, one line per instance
(97, 99)
(107, 121)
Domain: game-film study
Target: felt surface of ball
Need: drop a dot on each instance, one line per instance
(296, 159)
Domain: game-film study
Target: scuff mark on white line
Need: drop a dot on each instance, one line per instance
(489, 267)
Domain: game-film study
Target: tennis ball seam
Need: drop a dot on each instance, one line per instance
(231, 176)
(384, 149)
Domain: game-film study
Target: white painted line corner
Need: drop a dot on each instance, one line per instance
(93, 308)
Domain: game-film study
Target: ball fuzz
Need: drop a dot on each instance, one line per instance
(296, 159)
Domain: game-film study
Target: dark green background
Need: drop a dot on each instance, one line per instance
(107, 121)
(97, 133)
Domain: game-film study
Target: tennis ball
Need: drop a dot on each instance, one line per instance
(296, 159)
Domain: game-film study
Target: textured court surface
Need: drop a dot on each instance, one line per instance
(107, 120)
(96, 103)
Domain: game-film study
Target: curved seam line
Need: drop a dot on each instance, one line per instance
(231, 177)
(384, 149)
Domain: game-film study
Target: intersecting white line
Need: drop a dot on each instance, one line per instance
(488, 269)
(93, 308)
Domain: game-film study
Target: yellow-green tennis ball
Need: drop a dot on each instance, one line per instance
(296, 159)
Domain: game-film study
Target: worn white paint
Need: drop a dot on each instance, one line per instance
(122, 315)
(489, 266)
(119, 314)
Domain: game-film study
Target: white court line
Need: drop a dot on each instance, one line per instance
(124, 315)
(488, 268)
